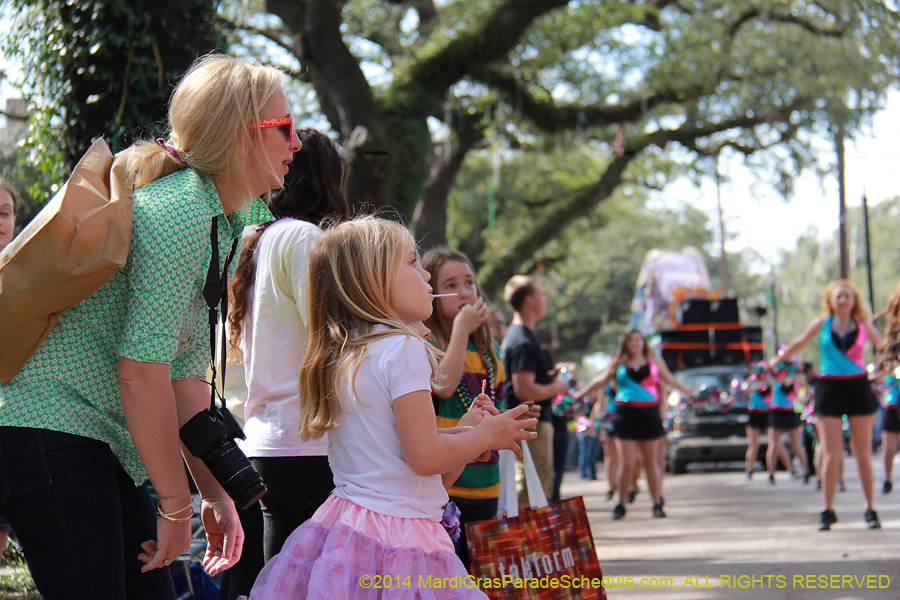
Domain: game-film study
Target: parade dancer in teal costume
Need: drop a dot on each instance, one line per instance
(638, 374)
(783, 417)
(842, 389)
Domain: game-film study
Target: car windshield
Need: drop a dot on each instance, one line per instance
(723, 381)
(727, 381)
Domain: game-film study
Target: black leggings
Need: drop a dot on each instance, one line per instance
(79, 517)
(298, 486)
(242, 576)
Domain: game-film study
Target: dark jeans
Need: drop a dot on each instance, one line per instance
(298, 486)
(78, 516)
(560, 454)
(588, 451)
(239, 579)
(469, 511)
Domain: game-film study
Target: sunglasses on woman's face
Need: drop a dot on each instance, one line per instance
(285, 125)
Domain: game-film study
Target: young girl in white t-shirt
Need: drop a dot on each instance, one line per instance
(366, 380)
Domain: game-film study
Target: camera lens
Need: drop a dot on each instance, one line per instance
(232, 469)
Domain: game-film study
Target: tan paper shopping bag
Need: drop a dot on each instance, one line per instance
(70, 249)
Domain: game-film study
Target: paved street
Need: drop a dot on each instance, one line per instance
(723, 530)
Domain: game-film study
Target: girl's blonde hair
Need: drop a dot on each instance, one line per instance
(352, 267)
(210, 114)
(482, 337)
(859, 312)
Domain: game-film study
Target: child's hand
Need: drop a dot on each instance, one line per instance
(481, 407)
(484, 402)
(533, 412)
(505, 429)
(471, 316)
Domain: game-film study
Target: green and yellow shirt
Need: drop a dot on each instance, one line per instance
(151, 311)
(476, 481)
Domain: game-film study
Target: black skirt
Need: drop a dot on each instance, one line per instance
(784, 419)
(839, 397)
(638, 423)
(758, 420)
(891, 421)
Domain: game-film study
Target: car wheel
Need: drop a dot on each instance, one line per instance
(677, 467)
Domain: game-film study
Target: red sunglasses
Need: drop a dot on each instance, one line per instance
(284, 124)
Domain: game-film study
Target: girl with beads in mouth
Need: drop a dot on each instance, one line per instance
(459, 326)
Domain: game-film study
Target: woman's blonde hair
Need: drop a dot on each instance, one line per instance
(482, 337)
(859, 312)
(210, 112)
(352, 267)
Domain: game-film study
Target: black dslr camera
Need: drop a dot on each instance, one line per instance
(209, 436)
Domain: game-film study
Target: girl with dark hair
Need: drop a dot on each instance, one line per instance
(269, 328)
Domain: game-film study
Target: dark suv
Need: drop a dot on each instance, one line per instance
(711, 430)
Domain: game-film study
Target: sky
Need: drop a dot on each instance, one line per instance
(759, 218)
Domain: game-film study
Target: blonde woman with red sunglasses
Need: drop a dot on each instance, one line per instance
(96, 411)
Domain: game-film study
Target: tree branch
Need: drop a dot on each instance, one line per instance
(754, 13)
(745, 149)
(428, 79)
(425, 8)
(291, 12)
(430, 217)
(549, 116)
(337, 70)
(270, 34)
(582, 201)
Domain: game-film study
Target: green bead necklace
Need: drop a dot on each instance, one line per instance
(466, 397)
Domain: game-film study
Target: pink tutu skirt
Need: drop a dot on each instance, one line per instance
(347, 552)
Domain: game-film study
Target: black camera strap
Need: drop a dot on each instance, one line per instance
(215, 292)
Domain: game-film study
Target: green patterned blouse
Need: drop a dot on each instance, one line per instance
(151, 311)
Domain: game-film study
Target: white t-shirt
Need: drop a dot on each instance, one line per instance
(364, 449)
(274, 342)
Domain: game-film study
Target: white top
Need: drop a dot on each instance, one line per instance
(274, 342)
(364, 449)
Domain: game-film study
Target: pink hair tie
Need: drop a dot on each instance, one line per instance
(171, 151)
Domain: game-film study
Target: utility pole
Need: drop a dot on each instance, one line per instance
(774, 308)
(865, 207)
(842, 211)
(723, 259)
